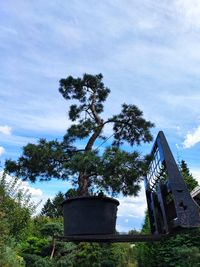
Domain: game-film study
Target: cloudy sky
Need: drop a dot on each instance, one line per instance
(147, 50)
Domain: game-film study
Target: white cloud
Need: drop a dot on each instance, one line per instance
(133, 206)
(35, 192)
(177, 146)
(185, 101)
(196, 173)
(131, 212)
(5, 129)
(2, 150)
(192, 138)
(190, 11)
(20, 141)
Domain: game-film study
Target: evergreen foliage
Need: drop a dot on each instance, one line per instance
(15, 209)
(190, 181)
(15, 219)
(112, 171)
(53, 208)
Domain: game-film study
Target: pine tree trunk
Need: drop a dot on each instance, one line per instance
(83, 185)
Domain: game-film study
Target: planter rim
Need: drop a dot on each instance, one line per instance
(91, 198)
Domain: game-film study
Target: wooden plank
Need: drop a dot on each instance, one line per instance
(112, 238)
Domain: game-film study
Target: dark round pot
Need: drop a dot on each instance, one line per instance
(90, 215)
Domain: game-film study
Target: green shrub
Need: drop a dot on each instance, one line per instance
(52, 228)
(108, 263)
(36, 261)
(34, 245)
(10, 258)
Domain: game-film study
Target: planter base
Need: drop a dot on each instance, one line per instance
(89, 215)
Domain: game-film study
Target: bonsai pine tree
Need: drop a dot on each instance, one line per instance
(112, 171)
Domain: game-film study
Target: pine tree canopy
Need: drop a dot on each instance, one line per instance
(113, 170)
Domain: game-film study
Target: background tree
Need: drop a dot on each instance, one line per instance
(15, 221)
(16, 207)
(190, 181)
(112, 171)
(52, 208)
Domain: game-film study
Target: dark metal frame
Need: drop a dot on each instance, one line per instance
(170, 205)
(113, 238)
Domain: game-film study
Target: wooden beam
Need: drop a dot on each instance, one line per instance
(113, 238)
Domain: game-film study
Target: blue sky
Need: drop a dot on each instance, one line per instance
(148, 52)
